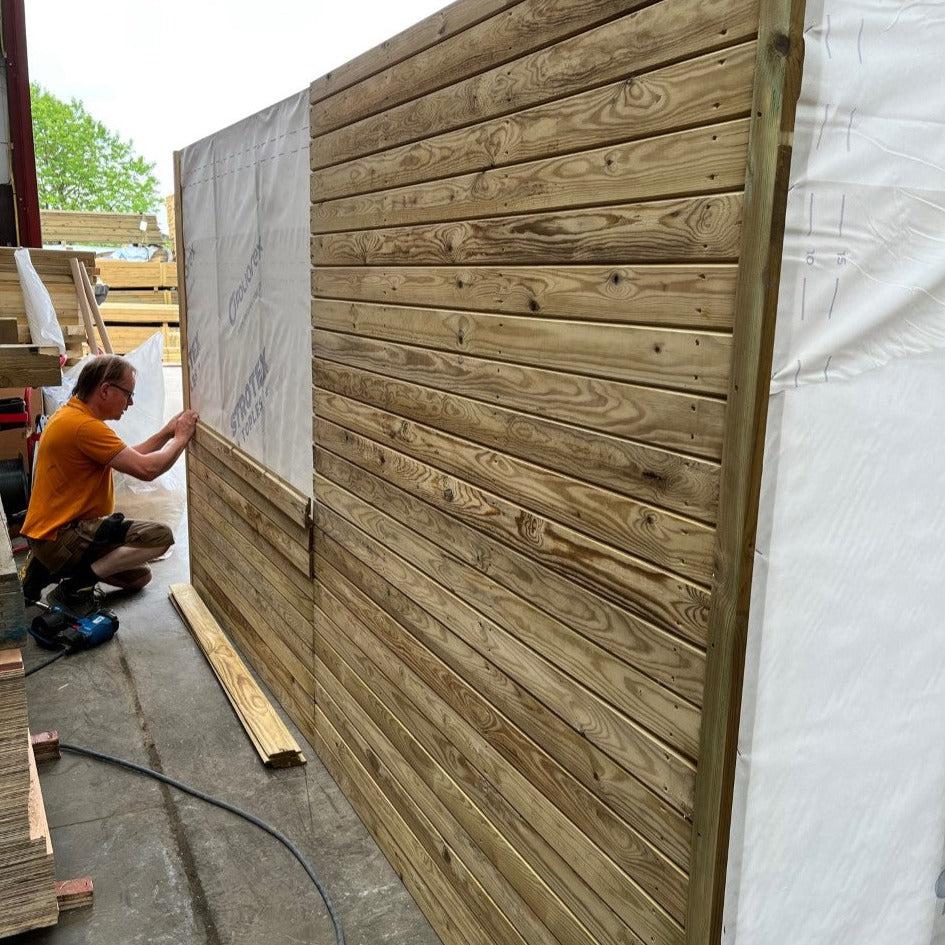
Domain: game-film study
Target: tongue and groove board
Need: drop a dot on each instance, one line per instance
(545, 248)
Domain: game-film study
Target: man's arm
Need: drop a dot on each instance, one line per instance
(150, 465)
(159, 439)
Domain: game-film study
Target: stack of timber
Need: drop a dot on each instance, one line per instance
(268, 733)
(171, 220)
(73, 228)
(53, 267)
(142, 300)
(250, 556)
(540, 317)
(27, 887)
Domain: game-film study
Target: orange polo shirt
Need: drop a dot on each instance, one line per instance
(72, 480)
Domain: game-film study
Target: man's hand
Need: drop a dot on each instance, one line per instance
(185, 423)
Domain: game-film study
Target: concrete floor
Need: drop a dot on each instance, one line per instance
(171, 870)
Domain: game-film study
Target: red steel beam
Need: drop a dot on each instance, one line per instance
(21, 123)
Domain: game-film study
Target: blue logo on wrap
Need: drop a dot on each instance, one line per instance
(249, 274)
(249, 407)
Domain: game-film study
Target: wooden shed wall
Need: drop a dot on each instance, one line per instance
(250, 556)
(527, 232)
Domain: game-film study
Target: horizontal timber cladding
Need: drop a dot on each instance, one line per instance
(530, 279)
(250, 557)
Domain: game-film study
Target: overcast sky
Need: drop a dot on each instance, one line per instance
(169, 72)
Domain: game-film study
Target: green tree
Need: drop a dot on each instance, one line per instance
(82, 165)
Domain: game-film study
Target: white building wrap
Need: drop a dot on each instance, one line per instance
(245, 212)
(839, 821)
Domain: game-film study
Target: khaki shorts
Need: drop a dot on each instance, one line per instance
(66, 551)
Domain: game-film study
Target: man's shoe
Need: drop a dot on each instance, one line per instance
(73, 594)
(36, 578)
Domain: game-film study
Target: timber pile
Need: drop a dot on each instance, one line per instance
(72, 228)
(53, 267)
(142, 300)
(27, 887)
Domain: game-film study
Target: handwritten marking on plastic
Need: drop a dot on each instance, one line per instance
(833, 301)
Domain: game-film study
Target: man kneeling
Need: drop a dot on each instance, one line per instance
(72, 531)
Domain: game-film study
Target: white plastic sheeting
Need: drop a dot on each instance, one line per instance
(839, 819)
(245, 202)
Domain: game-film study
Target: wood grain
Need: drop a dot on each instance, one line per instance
(670, 358)
(698, 161)
(701, 297)
(266, 730)
(625, 639)
(680, 422)
(666, 540)
(684, 229)
(511, 33)
(667, 830)
(668, 774)
(702, 91)
(452, 19)
(654, 36)
(357, 647)
(653, 476)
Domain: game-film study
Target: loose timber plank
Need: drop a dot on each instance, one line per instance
(681, 296)
(452, 19)
(281, 620)
(654, 476)
(667, 358)
(51, 264)
(514, 32)
(667, 540)
(698, 161)
(125, 274)
(681, 422)
(118, 312)
(45, 746)
(265, 655)
(684, 229)
(697, 92)
(654, 36)
(270, 737)
(776, 90)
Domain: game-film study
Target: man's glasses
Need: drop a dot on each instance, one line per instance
(130, 394)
